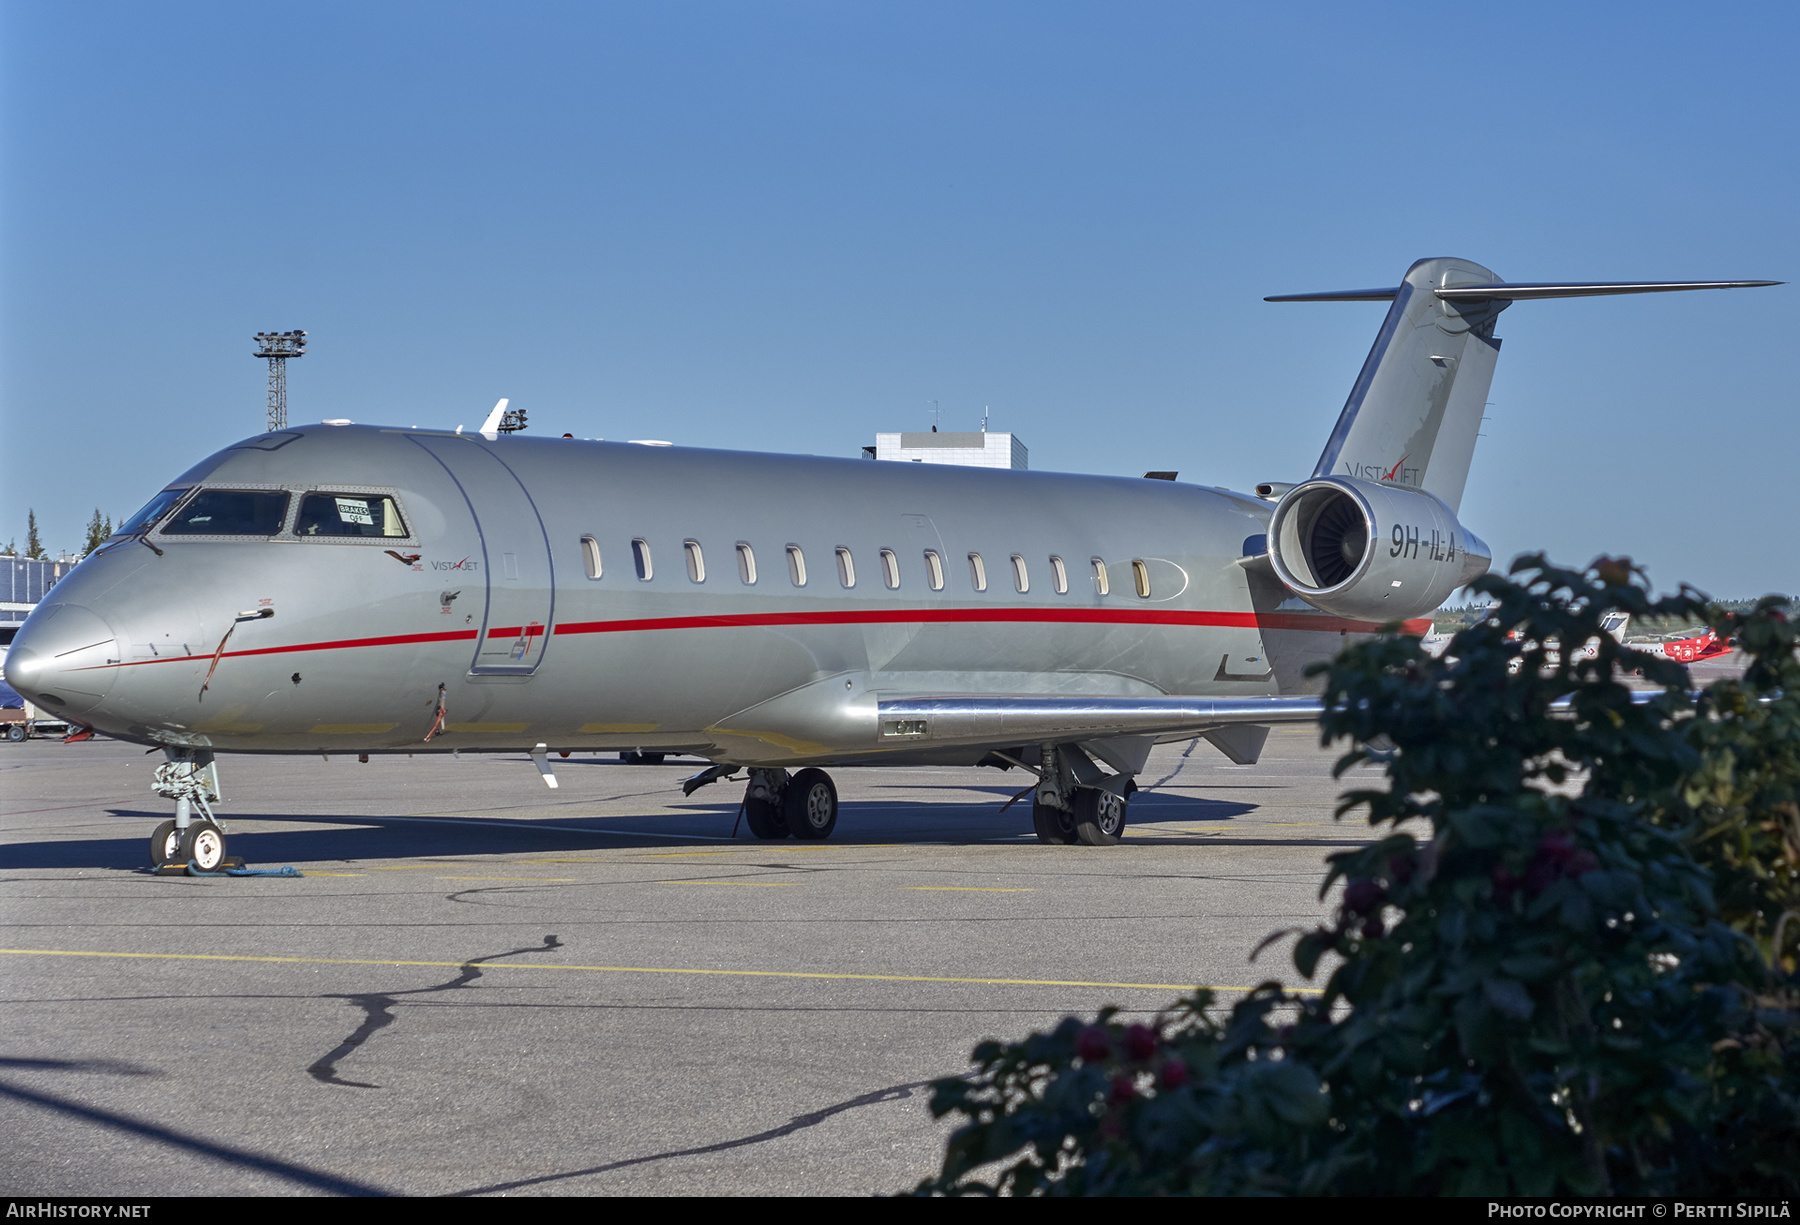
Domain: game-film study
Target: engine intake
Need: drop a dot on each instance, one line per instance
(1371, 551)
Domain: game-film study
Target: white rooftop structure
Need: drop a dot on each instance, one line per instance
(972, 450)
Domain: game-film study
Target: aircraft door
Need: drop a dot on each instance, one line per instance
(518, 573)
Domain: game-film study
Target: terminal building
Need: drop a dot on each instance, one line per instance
(23, 583)
(972, 450)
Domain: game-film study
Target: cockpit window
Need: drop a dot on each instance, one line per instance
(349, 514)
(153, 510)
(230, 512)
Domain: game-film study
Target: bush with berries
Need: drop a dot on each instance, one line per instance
(1565, 966)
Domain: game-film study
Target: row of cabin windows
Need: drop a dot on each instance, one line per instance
(695, 557)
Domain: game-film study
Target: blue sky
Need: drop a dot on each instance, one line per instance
(786, 226)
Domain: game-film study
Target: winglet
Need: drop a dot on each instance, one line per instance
(490, 429)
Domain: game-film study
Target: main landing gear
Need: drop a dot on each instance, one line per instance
(1075, 802)
(190, 778)
(777, 804)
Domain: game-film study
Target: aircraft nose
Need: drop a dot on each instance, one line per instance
(61, 658)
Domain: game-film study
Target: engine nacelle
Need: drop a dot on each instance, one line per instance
(1369, 551)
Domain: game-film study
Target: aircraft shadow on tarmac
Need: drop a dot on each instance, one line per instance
(325, 837)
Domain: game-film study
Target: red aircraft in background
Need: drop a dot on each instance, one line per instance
(1693, 650)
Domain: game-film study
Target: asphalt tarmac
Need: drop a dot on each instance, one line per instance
(483, 986)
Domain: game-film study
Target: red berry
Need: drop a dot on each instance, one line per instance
(1123, 1090)
(1363, 896)
(1093, 1044)
(1140, 1042)
(1174, 1074)
(1373, 930)
(1555, 846)
(1504, 882)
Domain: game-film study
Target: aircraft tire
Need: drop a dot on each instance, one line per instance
(641, 759)
(165, 844)
(1099, 817)
(765, 819)
(203, 846)
(1053, 825)
(810, 805)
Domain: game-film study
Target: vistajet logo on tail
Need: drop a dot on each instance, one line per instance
(1399, 474)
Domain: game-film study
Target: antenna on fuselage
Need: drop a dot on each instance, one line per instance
(502, 421)
(490, 429)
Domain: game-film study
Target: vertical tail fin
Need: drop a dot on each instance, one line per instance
(1413, 414)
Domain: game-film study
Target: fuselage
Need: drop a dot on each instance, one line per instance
(513, 592)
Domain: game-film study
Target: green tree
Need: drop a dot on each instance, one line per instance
(1562, 969)
(34, 547)
(98, 530)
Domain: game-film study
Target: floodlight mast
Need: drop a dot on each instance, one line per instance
(278, 347)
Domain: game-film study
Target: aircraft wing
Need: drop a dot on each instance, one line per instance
(950, 721)
(955, 721)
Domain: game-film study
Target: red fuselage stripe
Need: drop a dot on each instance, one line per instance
(1315, 622)
(932, 616)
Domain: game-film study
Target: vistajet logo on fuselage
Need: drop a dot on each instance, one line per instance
(1396, 475)
(465, 564)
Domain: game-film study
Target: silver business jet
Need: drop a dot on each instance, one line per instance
(345, 588)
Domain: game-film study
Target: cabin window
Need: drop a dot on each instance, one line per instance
(696, 561)
(1140, 574)
(233, 512)
(846, 567)
(345, 514)
(890, 569)
(796, 565)
(934, 570)
(640, 557)
(977, 572)
(1021, 580)
(590, 556)
(746, 562)
(1059, 575)
(1101, 586)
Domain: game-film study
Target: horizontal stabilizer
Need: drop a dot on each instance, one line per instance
(1524, 292)
(1579, 289)
(1339, 295)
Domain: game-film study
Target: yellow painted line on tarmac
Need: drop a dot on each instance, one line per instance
(506, 965)
(310, 872)
(542, 880)
(680, 854)
(967, 889)
(742, 884)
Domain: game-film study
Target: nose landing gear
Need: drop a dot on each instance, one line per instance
(191, 779)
